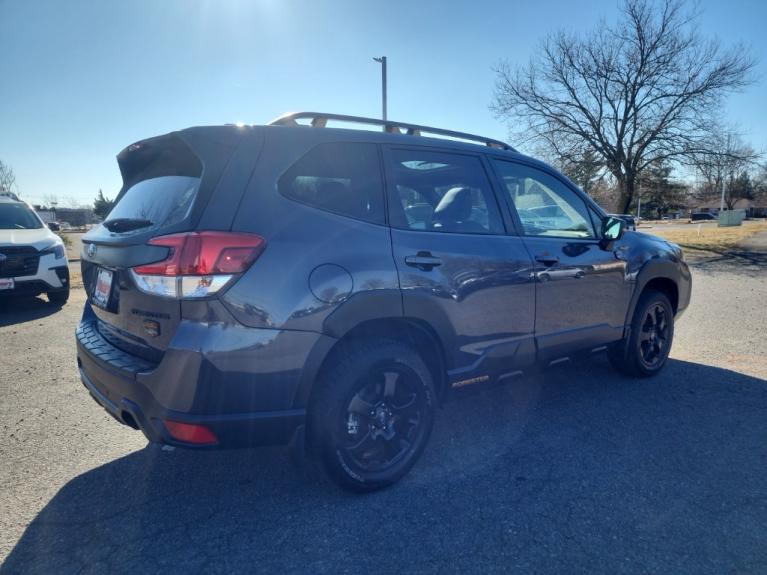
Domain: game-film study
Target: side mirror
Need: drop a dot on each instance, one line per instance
(613, 228)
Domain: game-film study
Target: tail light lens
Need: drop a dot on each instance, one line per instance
(198, 264)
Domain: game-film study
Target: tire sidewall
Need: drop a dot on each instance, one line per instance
(648, 300)
(328, 414)
(58, 298)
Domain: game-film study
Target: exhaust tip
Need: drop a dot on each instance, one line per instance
(129, 420)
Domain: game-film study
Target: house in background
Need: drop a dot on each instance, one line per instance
(75, 217)
(46, 215)
(756, 208)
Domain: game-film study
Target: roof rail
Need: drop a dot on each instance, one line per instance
(320, 120)
(9, 194)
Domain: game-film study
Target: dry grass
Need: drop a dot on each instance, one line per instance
(711, 238)
(75, 278)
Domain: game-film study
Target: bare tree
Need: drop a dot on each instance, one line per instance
(73, 202)
(726, 162)
(51, 200)
(641, 91)
(7, 178)
(761, 182)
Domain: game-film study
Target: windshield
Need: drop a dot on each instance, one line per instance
(18, 217)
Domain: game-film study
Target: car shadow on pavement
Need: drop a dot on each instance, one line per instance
(573, 470)
(15, 310)
(749, 263)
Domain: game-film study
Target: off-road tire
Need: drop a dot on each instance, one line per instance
(648, 346)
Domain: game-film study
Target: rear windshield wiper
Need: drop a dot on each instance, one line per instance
(126, 224)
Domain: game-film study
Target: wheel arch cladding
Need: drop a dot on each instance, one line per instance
(667, 286)
(408, 330)
(664, 275)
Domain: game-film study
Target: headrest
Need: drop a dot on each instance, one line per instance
(455, 205)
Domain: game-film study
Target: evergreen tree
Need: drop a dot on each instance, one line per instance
(102, 205)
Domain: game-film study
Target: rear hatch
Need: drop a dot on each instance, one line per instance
(169, 185)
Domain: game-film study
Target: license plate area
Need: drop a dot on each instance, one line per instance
(102, 291)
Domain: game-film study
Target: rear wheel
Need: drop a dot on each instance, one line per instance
(372, 415)
(650, 338)
(58, 298)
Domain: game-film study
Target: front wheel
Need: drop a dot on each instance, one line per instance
(372, 415)
(650, 337)
(58, 298)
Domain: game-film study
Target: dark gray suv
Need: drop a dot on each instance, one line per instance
(262, 284)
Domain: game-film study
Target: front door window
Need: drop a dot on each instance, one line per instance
(545, 205)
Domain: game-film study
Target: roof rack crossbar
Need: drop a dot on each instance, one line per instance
(320, 120)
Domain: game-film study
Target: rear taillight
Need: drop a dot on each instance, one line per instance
(198, 264)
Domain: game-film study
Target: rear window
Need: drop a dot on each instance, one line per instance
(163, 201)
(18, 217)
(344, 178)
(161, 178)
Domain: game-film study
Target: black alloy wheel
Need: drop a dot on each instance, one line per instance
(371, 415)
(645, 350)
(383, 419)
(654, 337)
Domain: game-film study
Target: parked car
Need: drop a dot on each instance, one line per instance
(631, 223)
(54, 226)
(266, 284)
(702, 216)
(32, 258)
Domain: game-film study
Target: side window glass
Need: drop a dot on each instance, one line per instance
(344, 178)
(442, 192)
(596, 221)
(545, 205)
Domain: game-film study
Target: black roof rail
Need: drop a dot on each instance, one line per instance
(320, 120)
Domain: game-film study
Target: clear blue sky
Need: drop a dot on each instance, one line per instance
(79, 80)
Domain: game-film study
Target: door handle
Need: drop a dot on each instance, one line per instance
(423, 261)
(547, 260)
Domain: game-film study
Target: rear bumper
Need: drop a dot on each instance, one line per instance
(232, 430)
(227, 383)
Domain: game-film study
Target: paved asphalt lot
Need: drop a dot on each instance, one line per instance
(577, 470)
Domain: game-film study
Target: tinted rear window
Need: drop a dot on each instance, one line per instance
(344, 178)
(18, 217)
(164, 201)
(161, 179)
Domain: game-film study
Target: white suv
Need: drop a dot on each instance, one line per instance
(32, 258)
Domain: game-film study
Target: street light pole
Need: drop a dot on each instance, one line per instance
(382, 61)
(721, 201)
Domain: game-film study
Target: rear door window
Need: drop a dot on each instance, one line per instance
(339, 177)
(441, 192)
